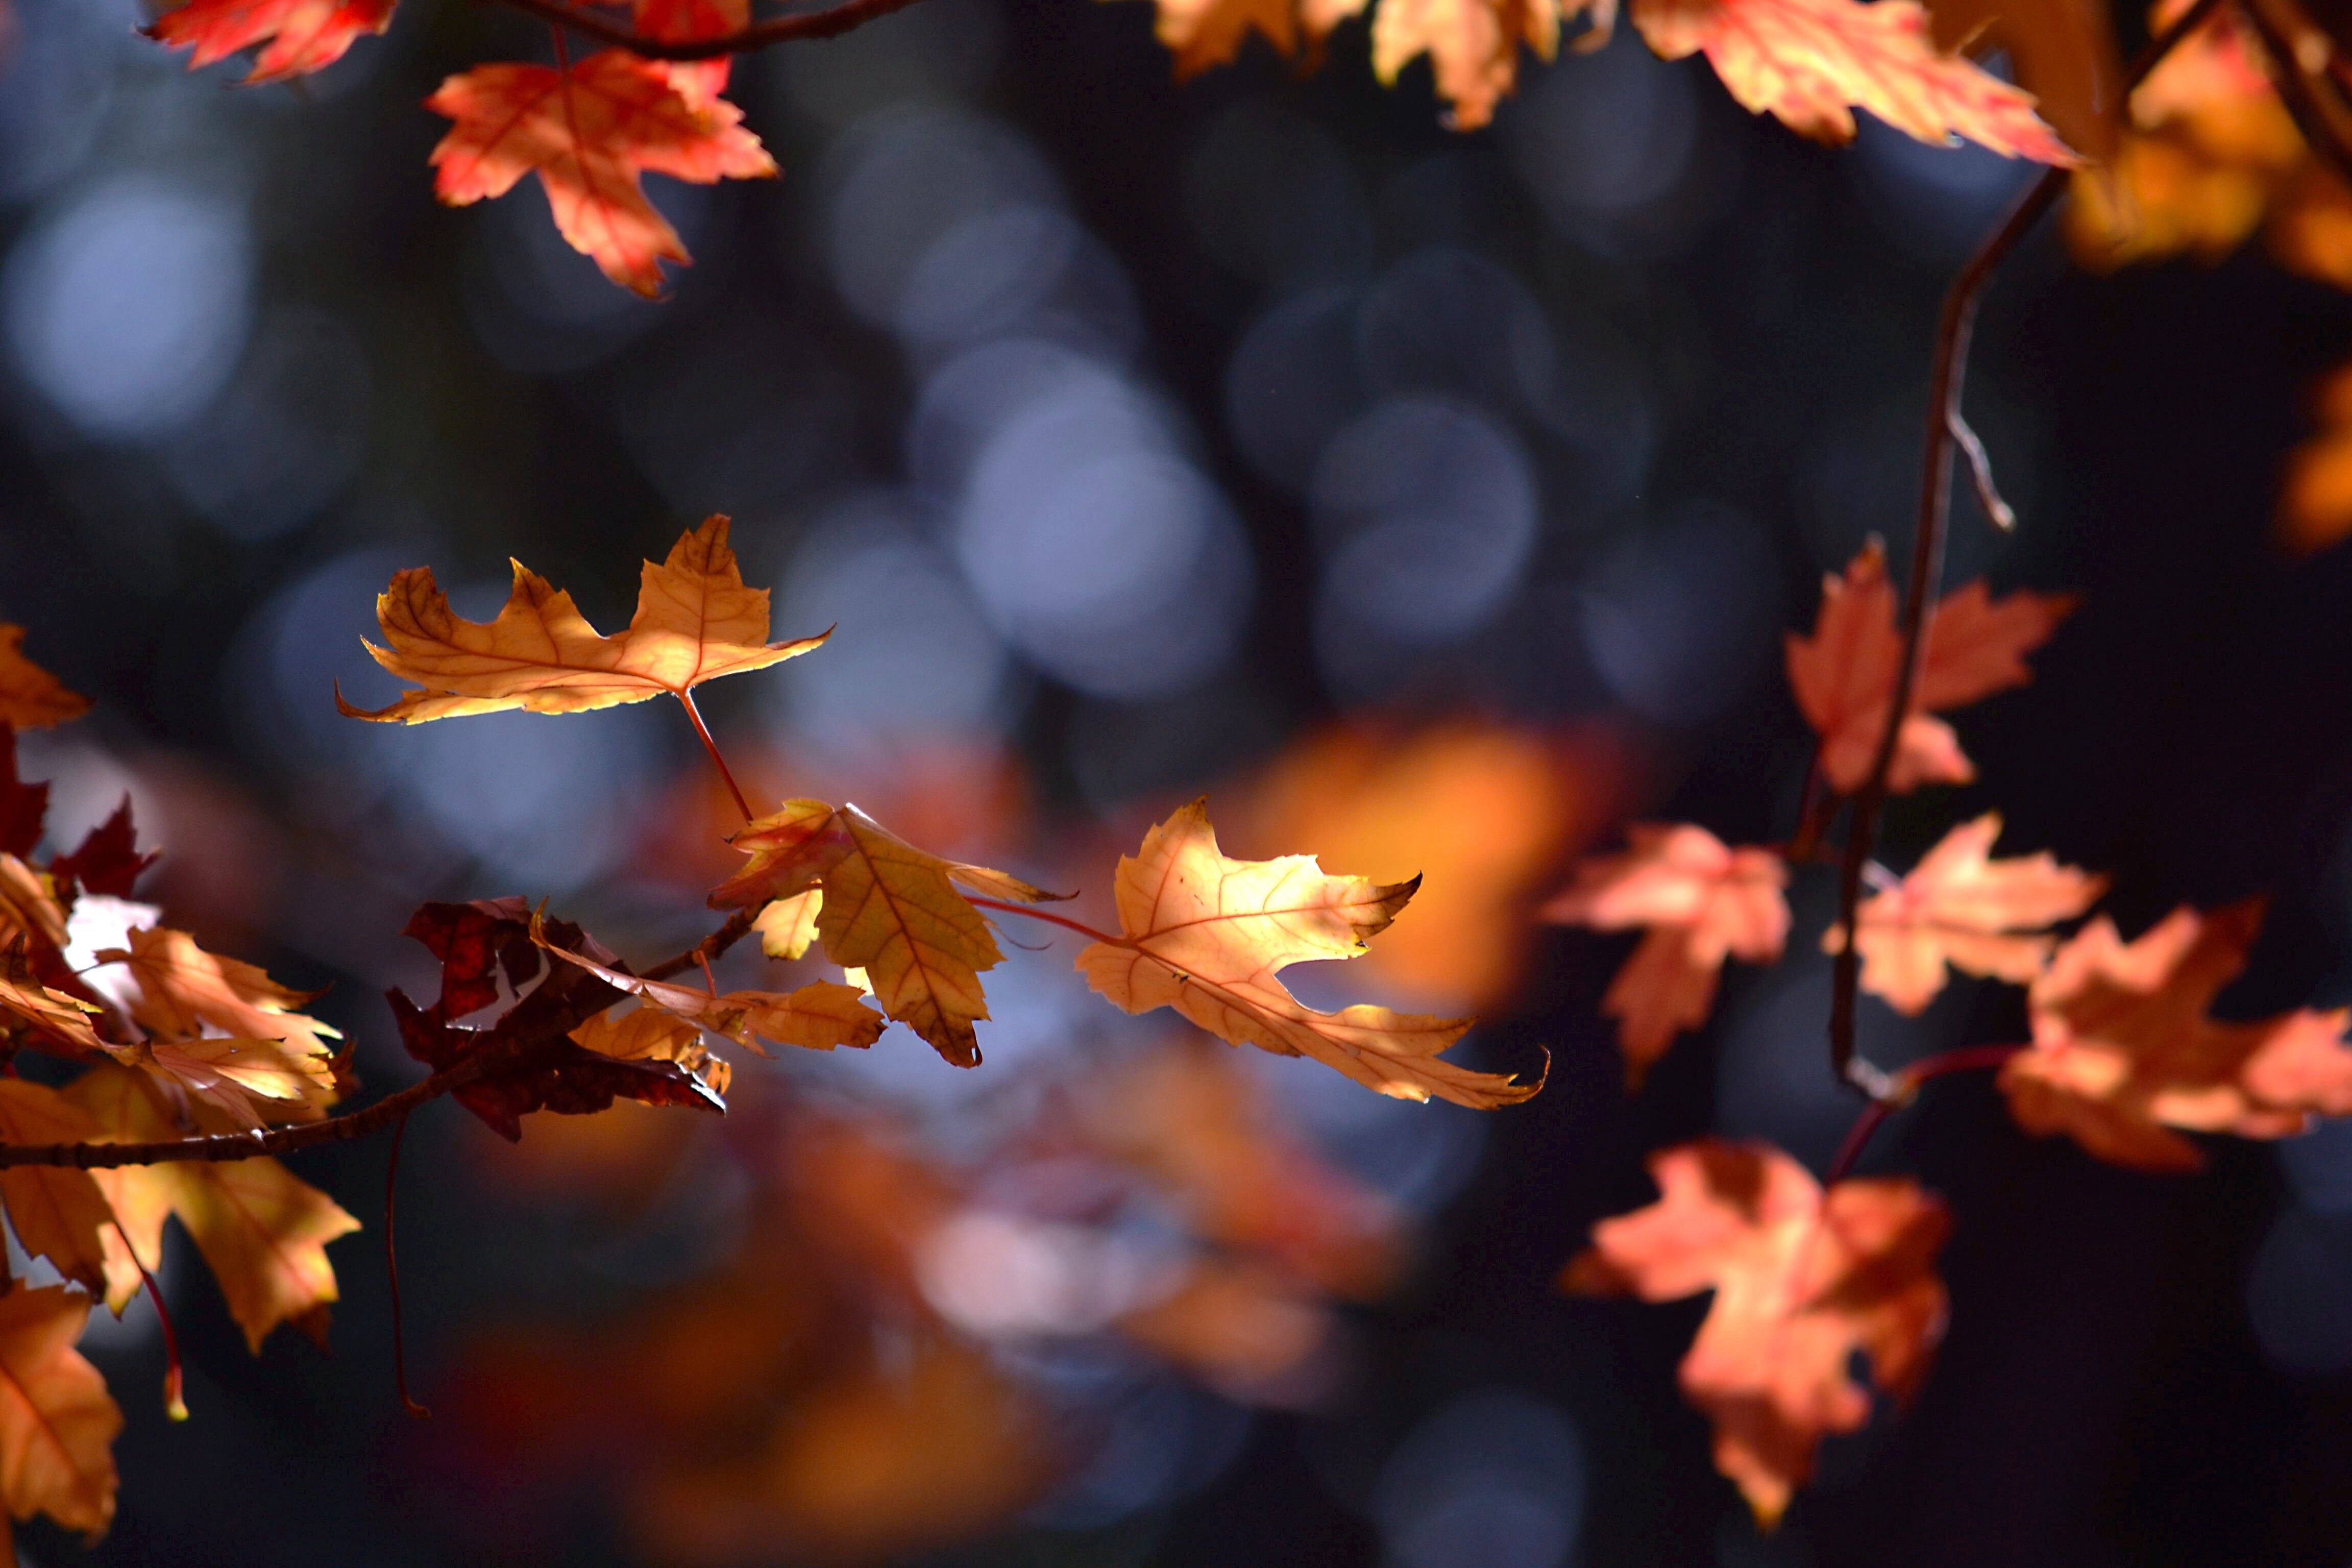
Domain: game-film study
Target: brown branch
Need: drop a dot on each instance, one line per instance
(2326, 127)
(498, 1050)
(827, 24)
(1944, 385)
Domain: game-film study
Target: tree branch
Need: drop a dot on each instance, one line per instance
(1944, 385)
(498, 1051)
(827, 24)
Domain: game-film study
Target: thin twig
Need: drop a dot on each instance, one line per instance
(175, 1404)
(498, 1051)
(2321, 130)
(1944, 386)
(1047, 916)
(687, 699)
(1900, 1091)
(1980, 469)
(827, 24)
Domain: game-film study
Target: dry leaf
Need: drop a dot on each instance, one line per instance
(2123, 1051)
(57, 1421)
(589, 132)
(2064, 52)
(30, 697)
(272, 1049)
(1844, 673)
(1802, 1282)
(1204, 33)
(1207, 935)
(695, 622)
(298, 35)
(1813, 62)
(890, 911)
(818, 1016)
(1473, 47)
(1959, 908)
(1702, 902)
(56, 1212)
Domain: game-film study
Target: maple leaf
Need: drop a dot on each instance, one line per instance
(107, 861)
(56, 1211)
(700, 82)
(302, 35)
(1702, 900)
(695, 622)
(1208, 936)
(57, 1421)
(589, 132)
(890, 912)
(483, 943)
(2064, 54)
(1813, 62)
(1961, 908)
(1802, 1282)
(266, 1048)
(1844, 673)
(53, 1012)
(28, 908)
(24, 807)
(1473, 47)
(1204, 33)
(262, 1230)
(2123, 1053)
(653, 1035)
(30, 697)
(787, 926)
(818, 1016)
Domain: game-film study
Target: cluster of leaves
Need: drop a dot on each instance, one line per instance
(589, 129)
(2123, 1057)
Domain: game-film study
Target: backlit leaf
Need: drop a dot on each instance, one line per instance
(296, 35)
(57, 1421)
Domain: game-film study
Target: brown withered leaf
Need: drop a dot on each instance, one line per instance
(30, 697)
(1844, 674)
(1207, 935)
(1802, 1282)
(818, 1016)
(57, 1421)
(271, 1063)
(107, 861)
(25, 1003)
(890, 910)
(695, 622)
(1959, 908)
(2124, 1052)
(29, 905)
(1702, 902)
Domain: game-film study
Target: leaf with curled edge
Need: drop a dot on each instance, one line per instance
(1844, 674)
(1701, 902)
(2125, 1057)
(262, 1230)
(695, 622)
(1207, 935)
(890, 912)
(818, 1016)
(1803, 1280)
(589, 131)
(57, 1423)
(297, 36)
(1813, 62)
(1961, 908)
(268, 1046)
(30, 697)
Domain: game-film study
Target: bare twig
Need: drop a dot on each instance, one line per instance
(1944, 385)
(827, 24)
(2326, 127)
(500, 1048)
(2003, 517)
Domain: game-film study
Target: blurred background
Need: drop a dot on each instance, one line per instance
(1436, 503)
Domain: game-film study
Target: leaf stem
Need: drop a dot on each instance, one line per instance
(175, 1404)
(1903, 1088)
(1945, 380)
(703, 730)
(829, 23)
(498, 1051)
(1048, 917)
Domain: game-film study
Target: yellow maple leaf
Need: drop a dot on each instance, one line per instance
(890, 911)
(787, 926)
(57, 1421)
(30, 697)
(695, 622)
(1206, 935)
(273, 1049)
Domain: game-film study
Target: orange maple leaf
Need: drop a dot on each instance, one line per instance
(2123, 1051)
(1844, 673)
(695, 622)
(262, 1230)
(56, 1212)
(589, 132)
(266, 1046)
(1960, 909)
(700, 82)
(888, 910)
(818, 1016)
(1207, 936)
(1813, 62)
(1702, 900)
(30, 697)
(1802, 1282)
(303, 36)
(1204, 33)
(1473, 47)
(57, 1421)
